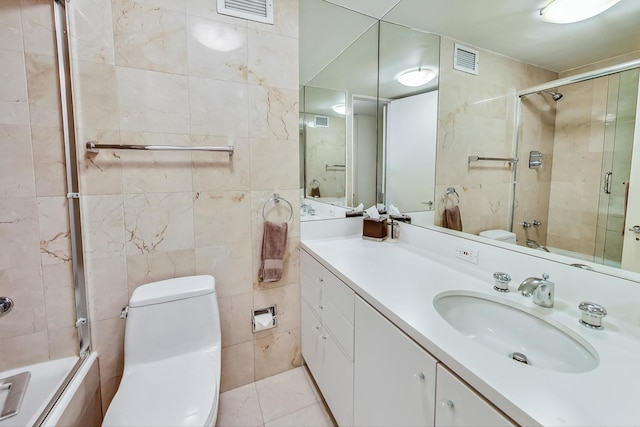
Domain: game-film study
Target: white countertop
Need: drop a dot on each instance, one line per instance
(401, 282)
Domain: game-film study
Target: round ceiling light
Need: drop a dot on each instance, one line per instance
(569, 11)
(416, 77)
(340, 109)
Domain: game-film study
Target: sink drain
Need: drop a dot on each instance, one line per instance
(519, 357)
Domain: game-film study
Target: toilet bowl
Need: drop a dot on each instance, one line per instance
(501, 235)
(171, 356)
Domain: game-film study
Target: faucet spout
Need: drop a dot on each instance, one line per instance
(541, 290)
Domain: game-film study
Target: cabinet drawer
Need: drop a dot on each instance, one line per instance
(338, 326)
(310, 341)
(339, 294)
(311, 294)
(459, 405)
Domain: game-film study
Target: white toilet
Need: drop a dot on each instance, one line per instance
(501, 235)
(171, 356)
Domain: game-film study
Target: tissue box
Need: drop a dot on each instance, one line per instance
(374, 229)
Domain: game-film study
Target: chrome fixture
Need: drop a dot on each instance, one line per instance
(6, 304)
(519, 357)
(510, 160)
(535, 159)
(94, 147)
(607, 182)
(555, 95)
(583, 266)
(541, 290)
(124, 313)
(502, 281)
(15, 388)
(592, 314)
(535, 245)
(536, 223)
(525, 224)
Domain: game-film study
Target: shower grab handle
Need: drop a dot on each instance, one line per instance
(607, 182)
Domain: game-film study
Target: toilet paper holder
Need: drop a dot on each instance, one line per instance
(264, 318)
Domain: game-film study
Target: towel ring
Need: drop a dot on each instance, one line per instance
(276, 199)
(451, 190)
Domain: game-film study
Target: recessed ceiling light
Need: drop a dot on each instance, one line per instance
(340, 109)
(569, 11)
(416, 77)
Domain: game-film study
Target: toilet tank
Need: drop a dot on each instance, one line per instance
(170, 318)
(502, 235)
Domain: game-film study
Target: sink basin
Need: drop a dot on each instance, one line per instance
(516, 332)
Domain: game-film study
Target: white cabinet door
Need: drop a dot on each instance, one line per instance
(459, 405)
(394, 378)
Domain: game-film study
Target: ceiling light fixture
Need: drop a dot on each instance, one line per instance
(340, 109)
(569, 11)
(416, 77)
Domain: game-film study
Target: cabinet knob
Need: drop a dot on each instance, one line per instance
(420, 375)
(317, 327)
(320, 279)
(321, 307)
(448, 404)
(324, 337)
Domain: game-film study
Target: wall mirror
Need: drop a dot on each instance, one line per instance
(369, 115)
(477, 115)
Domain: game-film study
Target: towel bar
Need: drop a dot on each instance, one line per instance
(493, 159)
(93, 147)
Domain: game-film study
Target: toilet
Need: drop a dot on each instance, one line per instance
(501, 235)
(171, 356)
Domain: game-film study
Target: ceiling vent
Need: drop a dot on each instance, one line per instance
(321, 121)
(253, 10)
(465, 59)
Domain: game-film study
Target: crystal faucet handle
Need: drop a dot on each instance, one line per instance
(502, 281)
(592, 314)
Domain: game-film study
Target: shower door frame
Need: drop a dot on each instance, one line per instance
(61, 27)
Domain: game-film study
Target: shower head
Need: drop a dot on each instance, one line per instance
(555, 95)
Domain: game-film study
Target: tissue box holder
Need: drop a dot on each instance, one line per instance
(374, 229)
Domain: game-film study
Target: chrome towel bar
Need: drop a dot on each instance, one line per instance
(93, 147)
(493, 159)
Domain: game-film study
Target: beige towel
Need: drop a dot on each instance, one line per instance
(452, 219)
(274, 245)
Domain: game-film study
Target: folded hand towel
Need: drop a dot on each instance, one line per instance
(274, 245)
(452, 218)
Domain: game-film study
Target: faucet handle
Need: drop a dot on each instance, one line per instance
(502, 281)
(545, 276)
(592, 314)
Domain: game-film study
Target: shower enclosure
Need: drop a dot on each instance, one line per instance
(578, 136)
(41, 263)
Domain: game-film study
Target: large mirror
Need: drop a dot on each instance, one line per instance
(573, 202)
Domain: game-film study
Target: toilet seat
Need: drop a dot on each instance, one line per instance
(168, 392)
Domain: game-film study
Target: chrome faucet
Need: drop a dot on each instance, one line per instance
(541, 290)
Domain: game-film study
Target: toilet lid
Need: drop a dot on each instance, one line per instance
(180, 391)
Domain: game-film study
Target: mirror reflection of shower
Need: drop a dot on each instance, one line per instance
(555, 95)
(579, 192)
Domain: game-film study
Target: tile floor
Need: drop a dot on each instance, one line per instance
(286, 399)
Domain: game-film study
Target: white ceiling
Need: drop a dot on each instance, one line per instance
(509, 27)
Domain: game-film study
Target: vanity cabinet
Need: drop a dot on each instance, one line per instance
(327, 316)
(395, 379)
(459, 405)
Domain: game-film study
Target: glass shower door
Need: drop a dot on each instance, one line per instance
(619, 123)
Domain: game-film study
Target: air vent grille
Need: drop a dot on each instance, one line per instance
(465, 59)
(321, 121)
(253, 10)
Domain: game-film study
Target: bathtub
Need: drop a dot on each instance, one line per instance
(44, 387)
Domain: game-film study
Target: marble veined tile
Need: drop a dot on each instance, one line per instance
(240, 407)
(273, 113)
(10, 25)
(273, 60)
(92, 31)
(16, 164)
(284, 393)
(158, 221)
(218, 108)
(148, 36)
(14, 109)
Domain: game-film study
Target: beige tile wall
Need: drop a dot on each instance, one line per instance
(476, 117)
(155, 72)
(35, 267)
(326, 146)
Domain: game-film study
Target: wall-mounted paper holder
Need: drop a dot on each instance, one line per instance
(264, 318)
(535, 159)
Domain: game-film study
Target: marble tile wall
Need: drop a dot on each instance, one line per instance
(476, 117)
(35, 258)
(178, 73)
